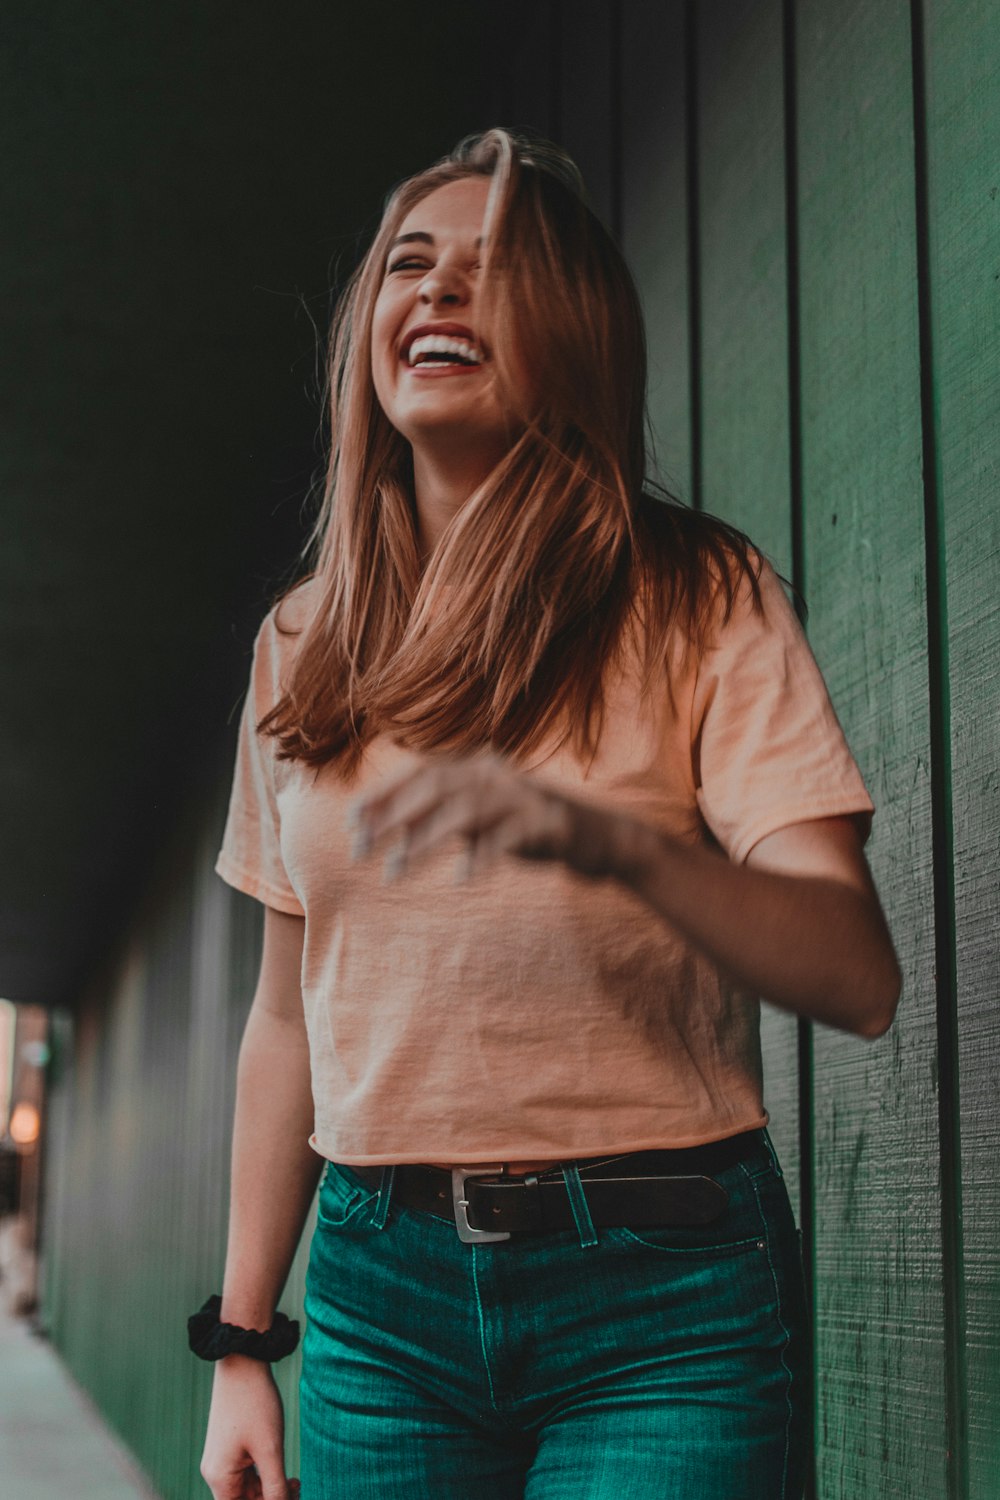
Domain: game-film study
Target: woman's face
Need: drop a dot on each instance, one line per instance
(431, 361)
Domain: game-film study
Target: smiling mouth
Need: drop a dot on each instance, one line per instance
(451, 348)
(440, 368)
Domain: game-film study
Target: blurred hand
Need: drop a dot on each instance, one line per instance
(244, 1446)
(496, 810)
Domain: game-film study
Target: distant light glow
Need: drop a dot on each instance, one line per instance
(25, 1124)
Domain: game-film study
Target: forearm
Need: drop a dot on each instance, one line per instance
(274, 1170)
(814, 946)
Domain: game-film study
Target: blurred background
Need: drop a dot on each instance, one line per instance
(807, 195)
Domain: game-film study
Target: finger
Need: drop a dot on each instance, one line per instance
(542, 831)
(437, 794)
(382, 803)
(480, 853)
(273, 1484)
(361, 808)
(387, 816)
(237, 1484)
(516, 834)
(464, 814)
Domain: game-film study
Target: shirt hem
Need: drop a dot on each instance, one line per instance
(532, 1150)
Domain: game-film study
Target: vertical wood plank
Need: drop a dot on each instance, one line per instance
(961, 64)
(878, 1261)
(744, 358)
(654, 213)
(142, 1124)
(210, 1086)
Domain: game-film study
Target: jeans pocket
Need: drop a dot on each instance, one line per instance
(342, 1196)
(738, 1230)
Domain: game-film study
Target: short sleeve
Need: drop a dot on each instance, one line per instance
(250, 858)
(768, 749)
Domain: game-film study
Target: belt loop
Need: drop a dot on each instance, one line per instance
(769, 1147)
(578, 1203)
(384, 1194)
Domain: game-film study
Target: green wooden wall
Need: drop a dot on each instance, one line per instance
(137, 1160)
(808, 195)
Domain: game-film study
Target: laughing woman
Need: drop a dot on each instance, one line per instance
(541, 789)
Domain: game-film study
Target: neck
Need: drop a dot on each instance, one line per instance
(443, 480)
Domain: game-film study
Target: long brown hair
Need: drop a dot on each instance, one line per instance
(507, 632)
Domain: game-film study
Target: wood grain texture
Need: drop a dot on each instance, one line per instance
(653, 200)
(878, 1261)
(962, 70)
(745, 462)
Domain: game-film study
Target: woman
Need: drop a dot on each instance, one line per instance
(554, 1254)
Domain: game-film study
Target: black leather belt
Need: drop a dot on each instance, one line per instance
(640, 1188)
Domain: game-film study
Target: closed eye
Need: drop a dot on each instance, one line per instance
(402, 265)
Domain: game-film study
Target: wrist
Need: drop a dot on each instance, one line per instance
(213, 1338)
(247, 1314)
(239, 1365)
(643, 856)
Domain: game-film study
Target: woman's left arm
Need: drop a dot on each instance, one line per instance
(799, 923)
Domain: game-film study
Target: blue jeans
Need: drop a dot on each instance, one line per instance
(652, 1364)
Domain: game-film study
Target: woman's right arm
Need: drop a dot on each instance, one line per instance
(274, 1176)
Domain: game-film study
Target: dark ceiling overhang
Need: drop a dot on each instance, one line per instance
(182, 187)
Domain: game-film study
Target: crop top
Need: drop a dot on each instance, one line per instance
(532, 1013)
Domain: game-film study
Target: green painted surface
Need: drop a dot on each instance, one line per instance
(139, 1142)
(963, 136)
(745, 460)
(879, 1333)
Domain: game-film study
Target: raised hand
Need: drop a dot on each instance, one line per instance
(496, 810)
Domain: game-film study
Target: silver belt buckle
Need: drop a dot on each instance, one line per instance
(460, 1203)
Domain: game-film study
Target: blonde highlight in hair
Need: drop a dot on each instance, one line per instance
(505, 635)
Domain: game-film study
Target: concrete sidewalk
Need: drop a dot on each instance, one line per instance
(53, 1443)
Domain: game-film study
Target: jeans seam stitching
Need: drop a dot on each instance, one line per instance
(765, 1171)
(727, 1247)
(785, 1331)
(482, 1331)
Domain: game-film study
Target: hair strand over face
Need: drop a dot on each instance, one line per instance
(504, 638)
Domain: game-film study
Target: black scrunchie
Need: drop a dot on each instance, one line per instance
(210, 1339)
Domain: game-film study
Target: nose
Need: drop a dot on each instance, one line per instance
(444, 285)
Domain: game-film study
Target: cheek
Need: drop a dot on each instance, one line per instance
(383, 323)
(381, 367)
(379, 376)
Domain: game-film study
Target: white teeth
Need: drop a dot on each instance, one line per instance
(437, 343)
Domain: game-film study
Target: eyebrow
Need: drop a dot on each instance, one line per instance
(421, 236)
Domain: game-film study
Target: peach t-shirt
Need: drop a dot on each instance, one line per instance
(533, 1014)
